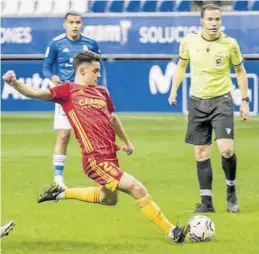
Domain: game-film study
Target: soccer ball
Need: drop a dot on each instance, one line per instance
(201, 229)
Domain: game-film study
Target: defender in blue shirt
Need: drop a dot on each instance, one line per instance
(59, 54)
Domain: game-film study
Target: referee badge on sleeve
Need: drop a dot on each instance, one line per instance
(85, 48)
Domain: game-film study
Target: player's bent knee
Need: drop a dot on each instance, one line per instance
(138, 190)
(226, 152)
(131, 186)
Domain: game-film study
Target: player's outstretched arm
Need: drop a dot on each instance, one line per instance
(121, 133)
(41, 94)
(243, 86)
(177, 80)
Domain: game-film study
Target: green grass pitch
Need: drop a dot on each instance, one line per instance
(162, 161)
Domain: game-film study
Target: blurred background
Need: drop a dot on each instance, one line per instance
(139, 42)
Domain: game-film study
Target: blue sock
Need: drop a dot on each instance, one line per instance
(59, 164)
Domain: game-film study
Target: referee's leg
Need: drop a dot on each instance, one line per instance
(225, 143)
(199, 133)
(205, 177)
(223, 124)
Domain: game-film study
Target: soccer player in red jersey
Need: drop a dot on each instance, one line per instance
(90, 112)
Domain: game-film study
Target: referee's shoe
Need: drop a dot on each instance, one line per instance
(203, 208)
(232, 205)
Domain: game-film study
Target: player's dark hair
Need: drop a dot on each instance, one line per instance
(209, 7)
(85, 57)
(72, 13)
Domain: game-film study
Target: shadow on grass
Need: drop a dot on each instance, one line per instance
(67, 247)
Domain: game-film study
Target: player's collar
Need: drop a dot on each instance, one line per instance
(211, 40)
(74, 40)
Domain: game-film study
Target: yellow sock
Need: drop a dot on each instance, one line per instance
(151, 210)
(89, 194)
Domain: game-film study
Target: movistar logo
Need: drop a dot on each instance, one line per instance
(160, 82)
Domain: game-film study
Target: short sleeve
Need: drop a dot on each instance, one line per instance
(183, 50)
(110, 104)
(49, 60)
(61, 93)
(96, 48)
(235, 54)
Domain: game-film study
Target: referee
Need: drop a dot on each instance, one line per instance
(211, 54)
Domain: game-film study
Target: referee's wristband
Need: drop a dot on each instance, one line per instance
(245, 99)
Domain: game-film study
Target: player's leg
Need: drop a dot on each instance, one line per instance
(109, 174)
(199, 133)
(131, 186)
(223, 123)
(63, 128)
(5, 229)
(106, 174)
(149, 208)
(98, 195)
(60, 155)
(111, 177)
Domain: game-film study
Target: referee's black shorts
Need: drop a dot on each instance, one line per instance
(204, 115)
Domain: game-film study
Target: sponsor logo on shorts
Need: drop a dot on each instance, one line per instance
(109, 168)
(228, 130)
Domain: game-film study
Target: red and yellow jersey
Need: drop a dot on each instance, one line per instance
(88, 110)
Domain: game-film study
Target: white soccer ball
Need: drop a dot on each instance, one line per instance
(202, 228)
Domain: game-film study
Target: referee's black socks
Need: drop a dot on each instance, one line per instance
(204, 172)
(230, 167)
